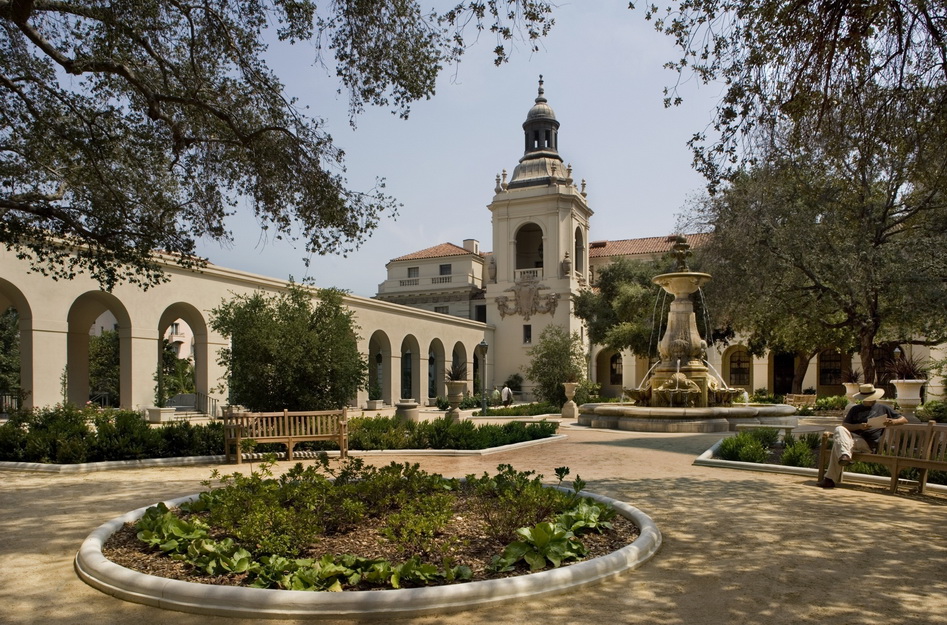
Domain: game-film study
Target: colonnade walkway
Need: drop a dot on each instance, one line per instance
(739, 547)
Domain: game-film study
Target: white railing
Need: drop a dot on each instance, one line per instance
(528, 274)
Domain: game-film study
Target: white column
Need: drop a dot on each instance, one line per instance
(43, 357)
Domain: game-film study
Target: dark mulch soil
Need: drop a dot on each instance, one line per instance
(464, 541)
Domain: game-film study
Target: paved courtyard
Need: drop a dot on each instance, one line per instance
(739, 547)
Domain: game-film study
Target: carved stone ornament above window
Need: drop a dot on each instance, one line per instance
(527, 300)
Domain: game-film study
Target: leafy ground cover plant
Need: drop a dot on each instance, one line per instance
(407, 508)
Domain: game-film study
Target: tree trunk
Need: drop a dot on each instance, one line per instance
(799, 371)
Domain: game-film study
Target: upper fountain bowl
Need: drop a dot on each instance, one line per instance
(681, 283)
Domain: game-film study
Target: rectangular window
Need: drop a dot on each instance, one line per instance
(480, 313)
(740, 368)
(527, 334)
(445, 269)
(442, 309)
(617, 369)
(412, 272)
(830, 368)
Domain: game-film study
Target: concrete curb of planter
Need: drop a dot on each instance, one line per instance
(113, 465)
(104, 575)
(707, 459)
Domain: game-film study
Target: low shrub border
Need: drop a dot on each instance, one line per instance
(855, 473)
(68, 435)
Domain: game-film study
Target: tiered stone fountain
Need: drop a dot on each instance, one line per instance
(681, 394)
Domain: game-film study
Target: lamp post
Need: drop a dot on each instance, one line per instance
(483, 386)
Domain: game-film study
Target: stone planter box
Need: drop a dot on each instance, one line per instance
(160, 415)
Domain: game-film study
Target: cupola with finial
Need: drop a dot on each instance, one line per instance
(541, 163)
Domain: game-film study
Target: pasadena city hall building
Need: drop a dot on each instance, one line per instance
(438, 305)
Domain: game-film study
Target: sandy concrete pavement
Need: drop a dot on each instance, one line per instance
(739, 547)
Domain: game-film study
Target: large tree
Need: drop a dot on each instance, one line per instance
(287, 351)
(130, 127)
(838, 247)
(624, 310)
(791, 61)
(627, 310)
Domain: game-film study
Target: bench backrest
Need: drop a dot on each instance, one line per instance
(296, 424)
(939, 443)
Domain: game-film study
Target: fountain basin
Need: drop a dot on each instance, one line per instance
(660, 419)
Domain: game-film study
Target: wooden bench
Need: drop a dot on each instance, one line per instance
(800, 400)
(285, 427)
(922, 446)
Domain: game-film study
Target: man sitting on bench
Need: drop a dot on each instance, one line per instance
(857, 421)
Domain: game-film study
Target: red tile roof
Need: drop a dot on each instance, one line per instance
(647, 245)
(438, 251)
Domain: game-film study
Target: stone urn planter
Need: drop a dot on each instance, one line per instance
(375, 404)
(569, 409)
(455, 395)
(908, 393)
(407, 410)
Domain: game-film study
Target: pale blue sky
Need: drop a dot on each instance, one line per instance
(603, 71)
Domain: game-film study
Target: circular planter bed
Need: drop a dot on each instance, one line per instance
(101, 573)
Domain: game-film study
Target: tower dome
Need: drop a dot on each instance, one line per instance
(541, 160)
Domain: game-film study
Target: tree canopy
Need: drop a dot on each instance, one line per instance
(831, 251)
(625, 309)
(287, 351)
(132, 127)
(794, 62)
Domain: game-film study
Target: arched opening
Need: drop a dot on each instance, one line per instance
(379, 368)
(459, 355)
(609, 372)
(410, 368)
(184, 359)
(436, 385)
(529, 251)
(578, 256)
(16, 370)
(99, 352)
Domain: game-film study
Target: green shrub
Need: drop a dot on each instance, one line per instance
(367, 433)
(798, 454)
(832, 402)
(513, 499)
(68, 434)
(744, 447)
(523, 410)
(419, 520)
(768, 437)
(763, 396)
(933, 410)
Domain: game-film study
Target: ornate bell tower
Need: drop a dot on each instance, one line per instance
(540, 243)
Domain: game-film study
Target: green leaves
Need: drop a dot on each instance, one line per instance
(541, 544)
(273, 340)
